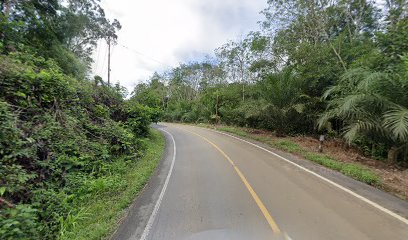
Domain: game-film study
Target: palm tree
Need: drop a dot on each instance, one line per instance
(372, 105)
(284, 101)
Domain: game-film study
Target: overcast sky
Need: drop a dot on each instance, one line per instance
(159, 34)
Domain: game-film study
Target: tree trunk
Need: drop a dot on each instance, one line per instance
(243, 91)
(216, 107)
(338, 57)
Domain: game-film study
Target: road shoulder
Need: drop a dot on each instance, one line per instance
(132, 225)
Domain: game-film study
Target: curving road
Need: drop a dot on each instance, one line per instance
(214, 186)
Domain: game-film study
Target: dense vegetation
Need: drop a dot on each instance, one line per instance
(63, 137)
(338, 67)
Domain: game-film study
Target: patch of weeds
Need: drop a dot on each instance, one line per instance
(324, 160)
(361, 173)
(288, 145)
(349, 169)
(233, 130)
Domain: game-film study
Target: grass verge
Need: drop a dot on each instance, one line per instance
(103, 209)
(352, 170)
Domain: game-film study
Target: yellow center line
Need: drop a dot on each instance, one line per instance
(255, 196)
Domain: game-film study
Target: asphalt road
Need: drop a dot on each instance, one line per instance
(213, 186)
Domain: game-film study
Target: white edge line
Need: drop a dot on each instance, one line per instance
(159, 200)
(391, 213)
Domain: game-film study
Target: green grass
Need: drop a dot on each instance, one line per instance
(113, 194)
(240, 132)
(324, 160)
(287, 145)
(352, 170)
(233, 130)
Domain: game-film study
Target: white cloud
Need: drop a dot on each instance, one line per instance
(159, 34)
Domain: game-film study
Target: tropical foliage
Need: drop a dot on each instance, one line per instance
(61, 133)
(335, 67)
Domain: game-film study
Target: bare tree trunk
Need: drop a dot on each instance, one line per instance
(243, 91)
(241, 66)
(109, 60)
(216, 106)
(338, 57)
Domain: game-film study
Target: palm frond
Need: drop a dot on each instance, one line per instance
(323, 121)
(331, 91)
(371, 80)
(353, 76)
(353, 73)
(353, 130)
(396, 121)
(349, 104)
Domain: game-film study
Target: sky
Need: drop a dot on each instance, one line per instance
(157, 35)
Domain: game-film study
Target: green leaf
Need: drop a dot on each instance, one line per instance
(2, 190)
(20, 94)
(396, 120)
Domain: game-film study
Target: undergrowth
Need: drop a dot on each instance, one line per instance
(109, 196)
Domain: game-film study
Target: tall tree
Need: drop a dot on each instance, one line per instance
(234, 56)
